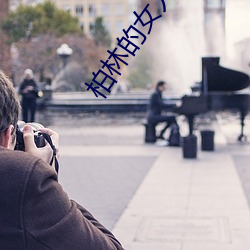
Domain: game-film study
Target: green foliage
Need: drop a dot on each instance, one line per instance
(100, 33)
(42, 18)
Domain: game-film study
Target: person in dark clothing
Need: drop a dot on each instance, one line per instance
(29, 91)
(35, 212)
(155, 107)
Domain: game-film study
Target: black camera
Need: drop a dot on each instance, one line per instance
(38, 137)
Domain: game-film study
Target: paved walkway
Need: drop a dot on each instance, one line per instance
(189, 204)
(181, 204)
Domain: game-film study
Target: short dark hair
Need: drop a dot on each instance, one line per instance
(159, 84)
(9, 104)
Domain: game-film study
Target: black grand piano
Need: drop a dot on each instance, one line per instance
(220, 89)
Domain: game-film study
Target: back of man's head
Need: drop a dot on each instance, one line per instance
(9, 104)
(159, 84)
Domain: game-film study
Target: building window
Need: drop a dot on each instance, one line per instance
(119, 9)
(91, 27)
(215, 4)
(79, 10)
(92, 10)
(105, 9)
(82, 26)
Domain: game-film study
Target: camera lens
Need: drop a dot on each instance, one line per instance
(38, 137)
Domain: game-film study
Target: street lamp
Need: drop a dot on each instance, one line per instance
(64, 51)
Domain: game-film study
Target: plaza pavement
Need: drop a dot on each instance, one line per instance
(189, 204)
(177, 203)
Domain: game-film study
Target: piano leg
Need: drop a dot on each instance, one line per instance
(190, 123)
(243, 114)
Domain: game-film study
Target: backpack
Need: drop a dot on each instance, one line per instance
(174, 136)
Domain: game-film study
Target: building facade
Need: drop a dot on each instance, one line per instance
(114, 12)
(15, 3)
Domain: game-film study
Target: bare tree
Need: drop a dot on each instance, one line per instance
(40, 54)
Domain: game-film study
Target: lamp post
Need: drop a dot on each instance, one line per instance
(64, 51)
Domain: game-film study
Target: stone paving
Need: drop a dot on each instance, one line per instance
(150, 196)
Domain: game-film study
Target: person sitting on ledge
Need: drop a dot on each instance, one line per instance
(154, 110)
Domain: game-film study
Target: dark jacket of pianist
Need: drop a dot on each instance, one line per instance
(155, 105)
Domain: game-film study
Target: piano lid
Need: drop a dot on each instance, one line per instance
(218, 78)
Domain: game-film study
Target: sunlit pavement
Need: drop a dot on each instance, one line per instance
(150, 196)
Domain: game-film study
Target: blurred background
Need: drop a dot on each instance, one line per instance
(32, 31)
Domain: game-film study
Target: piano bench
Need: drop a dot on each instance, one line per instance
(150, 132)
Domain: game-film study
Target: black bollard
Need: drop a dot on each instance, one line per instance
(189, 146)
(207, 140)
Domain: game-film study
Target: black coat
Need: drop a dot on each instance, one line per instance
(155, 104)
(31, 93)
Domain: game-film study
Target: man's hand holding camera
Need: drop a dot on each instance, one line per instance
(45, 153)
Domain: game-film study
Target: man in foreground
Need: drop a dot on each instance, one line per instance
(35, 212)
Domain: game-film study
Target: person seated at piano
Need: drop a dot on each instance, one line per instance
(155, 107)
